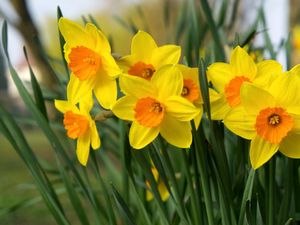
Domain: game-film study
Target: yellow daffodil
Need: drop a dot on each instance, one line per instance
(79, 125)
(162, 189)
(191, 89)
(270, 118)
(89, 58)
(228, 79)
(146, 57)
(156, 107)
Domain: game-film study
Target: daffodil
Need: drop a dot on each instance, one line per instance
(146, 57)
(156, 107)
(80, 126)
(89, 58)
(162, 189)
(270, 118)
(228, 79)
(191, 89)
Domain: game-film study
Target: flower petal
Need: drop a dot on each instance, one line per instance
(240, 123)
(124, 108)
(261, 151)
(95, 138)
(220, 74)
(267, 71)
(142, 46)
(83, 148)
(167, 54)
(77, 89)
(169, 81)
(136, 86)
(242, 64)
(284, 89)
(177, 133)
(101, 41)
(218, 107)
(255, 99)
(181, 108)
(198, 118)
(109, 65)
(105, 90)
(290, 146)
(64, 106)
(140, 136)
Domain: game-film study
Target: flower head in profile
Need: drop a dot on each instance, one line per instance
(191, 89)
(146, 57)
(80, 126)
(228, 79)
(156, 107)
(162, 189)
(270, 118)
(89, 58)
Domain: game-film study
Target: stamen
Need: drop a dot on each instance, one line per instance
(274, 119)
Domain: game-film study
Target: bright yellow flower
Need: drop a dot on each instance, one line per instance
(89, 58)
(146, 57)
(228, 79)
(79, 125)
(270, 118)
(191, 89)
(156, 107)
(162, 189)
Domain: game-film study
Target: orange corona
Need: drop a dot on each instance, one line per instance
(190, 90)
(143, 70)
(75, 124)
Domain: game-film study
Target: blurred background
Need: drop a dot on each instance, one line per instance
(33, 24)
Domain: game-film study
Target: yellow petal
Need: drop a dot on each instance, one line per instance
(64, 106)
(149, 195)
(95, 139)
(290, 146)
(169, 81)
(255, 99)
(126, 62)
(101, 41)
(261, 151)
(189, 73)
(86, 103)
(140, 136)
(242, 64)
(198, 118)
(267, 71)
(124, 108)
(167, 54)
(284, 88)
(105, 90)
(77, 89)
(83, 148)
(163, 191)
(219, 107)
(142, 46)
(180, 108)
(220, 74)
(136, 86)
(109, 65)
(239, 122)
(176, 132)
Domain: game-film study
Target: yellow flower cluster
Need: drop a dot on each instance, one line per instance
(160, 96)
(257, 101)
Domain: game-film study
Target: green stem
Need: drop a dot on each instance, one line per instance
(204, 176)
(271, 186)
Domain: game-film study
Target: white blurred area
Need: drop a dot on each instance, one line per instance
(41, 11)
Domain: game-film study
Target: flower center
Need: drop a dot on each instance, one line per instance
(149, 112)
(75, 124)
(190, 90)
(273, 124)
(232, 90)
(84, 62)
(143, 70)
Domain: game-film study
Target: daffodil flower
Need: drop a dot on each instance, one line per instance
(80, 126)
(228, 79)
(156, 107)
(162, 189)
(89, 58)
(146, 57)
(270, 118)
(191, 89)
